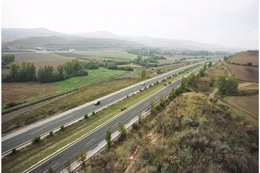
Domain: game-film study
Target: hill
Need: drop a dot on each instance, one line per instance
(11, 34)
(244, 65)
(30, 38)
(246, 57)
(69, 42)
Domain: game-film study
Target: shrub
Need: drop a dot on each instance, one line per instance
(50, 133)
(86, 116)
(136, 126)
(62, 127)
(36, 139)
(13, 150)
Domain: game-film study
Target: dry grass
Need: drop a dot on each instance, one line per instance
(246, 57)
(244, 73)
(40, 59)
(80, 97)
(15, 92)
(247, 104)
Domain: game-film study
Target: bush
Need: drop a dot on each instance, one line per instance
(50, 133)
(86, 116)
(62, 127)
(124, 108)
(36, 139)
(13, 150)
(136, 126)
(227, 85)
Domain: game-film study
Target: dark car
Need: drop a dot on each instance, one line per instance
(97, 103)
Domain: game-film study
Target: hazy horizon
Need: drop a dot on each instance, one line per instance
(228, 23)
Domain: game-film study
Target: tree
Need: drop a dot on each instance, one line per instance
(60, 72)
(108, 137)
(82, 157)
(26, 72)
(227, 85)
(45, 74)
(152, 106)
(162, 101)
(7, 59)
(67, 165)
(211, 81)
(143, 73)
(209, 64)
(14, 71)
(122, 130)
(249, 64)
(51, 170)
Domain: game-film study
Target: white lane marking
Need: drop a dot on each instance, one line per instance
(52, 167)
(36, 131)
(90, 141)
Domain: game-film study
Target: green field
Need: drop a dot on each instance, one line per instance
(30, 155)
(106, 54)
(94, 76)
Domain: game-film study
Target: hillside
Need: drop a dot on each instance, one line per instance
(194, 133)
(190, 135)
(246, 57)
(39, 37)
(244, 65)
(69, 42)
(11, 34)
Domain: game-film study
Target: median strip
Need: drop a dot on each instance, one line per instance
(20, 161)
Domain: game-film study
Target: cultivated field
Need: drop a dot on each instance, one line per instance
(15, 92)
(246, 57)
(244, 73)
(40, 59)
(248, 104)
(248, 87)
(32, 92)
(106, 55)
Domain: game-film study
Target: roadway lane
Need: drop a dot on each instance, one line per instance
(17, 139)
(92, 140)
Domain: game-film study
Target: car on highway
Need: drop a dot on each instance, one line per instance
(97, 103)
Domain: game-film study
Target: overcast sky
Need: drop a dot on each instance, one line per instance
(226, 22)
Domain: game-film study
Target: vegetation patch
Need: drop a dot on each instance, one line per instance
(80, 97)
(191, 135)
(247, 104)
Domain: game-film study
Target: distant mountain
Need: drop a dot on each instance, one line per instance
(178, 44)
(160, 42)
(99, 34)
(41, 37)
(11, 34)
(69, 42)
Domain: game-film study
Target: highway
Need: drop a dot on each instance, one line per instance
(25, 135)
(93, 139)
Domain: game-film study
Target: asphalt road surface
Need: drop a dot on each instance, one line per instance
(21, 137)
(91, 141)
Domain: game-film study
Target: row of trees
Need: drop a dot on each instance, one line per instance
(27, 72)
(7, 59)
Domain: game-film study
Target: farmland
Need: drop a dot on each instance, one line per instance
(40, 59)
(247, 104)
(32, 92)
(244, 73)
(245, 57)
(104, 55)
(13, 92)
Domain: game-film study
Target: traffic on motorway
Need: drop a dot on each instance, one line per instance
(24, 136)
